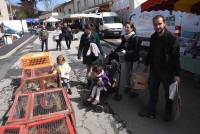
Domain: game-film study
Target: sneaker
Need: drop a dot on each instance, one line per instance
(95, 102)
(90, 99)
(147, 115)
(69, 91)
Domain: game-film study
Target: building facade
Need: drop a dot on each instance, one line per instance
(87, 6)
(124, 8)
(65, 8)
(3, 10)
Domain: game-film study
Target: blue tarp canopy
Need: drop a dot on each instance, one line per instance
(31, 20)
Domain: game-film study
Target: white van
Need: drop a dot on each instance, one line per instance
(109, 24)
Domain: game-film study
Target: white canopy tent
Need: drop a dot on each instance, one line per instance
(51, 19)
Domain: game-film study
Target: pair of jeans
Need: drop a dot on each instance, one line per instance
(68, 41)
(58, 46)
(96, 90)
(44, 42)
(65, 83)
(155, 78)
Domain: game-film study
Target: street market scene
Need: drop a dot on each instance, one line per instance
(99, 66)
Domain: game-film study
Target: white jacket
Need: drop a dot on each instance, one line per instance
(64, 70)
(93, 48)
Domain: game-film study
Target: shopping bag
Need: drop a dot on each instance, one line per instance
(174, 95)
(56, 37)
(138, 77)
(173, 90)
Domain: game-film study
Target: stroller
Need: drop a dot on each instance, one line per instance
(112, 68)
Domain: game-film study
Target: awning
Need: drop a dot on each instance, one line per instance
(191, 6)
(52, 19)
(31, 20)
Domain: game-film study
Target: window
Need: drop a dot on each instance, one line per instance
(111, 19)
(70, 11)
(85, 4)
(78, 5)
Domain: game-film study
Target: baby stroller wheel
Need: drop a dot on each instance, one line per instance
(99, 108)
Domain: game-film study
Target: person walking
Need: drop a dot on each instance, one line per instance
(66, 33)
(58, 38)
(130, 48)
(43, 36)
(88, 38)
(163, 59)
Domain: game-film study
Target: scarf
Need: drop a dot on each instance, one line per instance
(127, 36)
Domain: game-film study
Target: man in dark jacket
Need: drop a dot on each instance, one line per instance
(43, 36)
(67, 35)
(163, 58)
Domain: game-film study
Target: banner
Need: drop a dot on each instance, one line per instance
(119, 5)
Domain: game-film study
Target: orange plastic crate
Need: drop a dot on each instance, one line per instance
(60, 124)
(38, 83)
(33, 61)
(36, 106)
(16, 129)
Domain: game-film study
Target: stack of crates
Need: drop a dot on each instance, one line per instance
(35, 65)
(41, 105)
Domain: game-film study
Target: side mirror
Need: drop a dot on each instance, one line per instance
(101, 23)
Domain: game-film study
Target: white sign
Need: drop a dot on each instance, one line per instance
(120, 5)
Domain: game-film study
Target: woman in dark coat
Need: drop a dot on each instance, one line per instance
(130, 48)
(89, 37)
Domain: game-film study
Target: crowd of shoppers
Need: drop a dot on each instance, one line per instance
(162, 60)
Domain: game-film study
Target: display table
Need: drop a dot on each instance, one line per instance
(190, 64)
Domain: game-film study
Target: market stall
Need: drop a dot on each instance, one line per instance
(182, 19)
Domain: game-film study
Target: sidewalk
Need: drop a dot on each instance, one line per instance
(7, 50)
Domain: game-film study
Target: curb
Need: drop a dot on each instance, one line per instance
(15, 49)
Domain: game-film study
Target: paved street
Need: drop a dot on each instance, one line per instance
(119, 117)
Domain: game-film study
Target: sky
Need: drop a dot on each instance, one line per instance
(40, 5)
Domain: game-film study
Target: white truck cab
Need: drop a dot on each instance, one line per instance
(109, 24)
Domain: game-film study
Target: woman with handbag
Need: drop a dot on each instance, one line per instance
(89, 37)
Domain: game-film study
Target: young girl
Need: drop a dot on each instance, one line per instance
(101, 81)
(64, 69)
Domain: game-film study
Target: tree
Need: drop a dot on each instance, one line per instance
(28, 7)
(49, 4)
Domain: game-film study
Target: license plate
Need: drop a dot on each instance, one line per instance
(116, 32)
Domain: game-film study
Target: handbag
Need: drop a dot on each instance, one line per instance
(138, 77)
(56, 37)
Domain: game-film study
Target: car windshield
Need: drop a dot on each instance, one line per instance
(111, 19)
